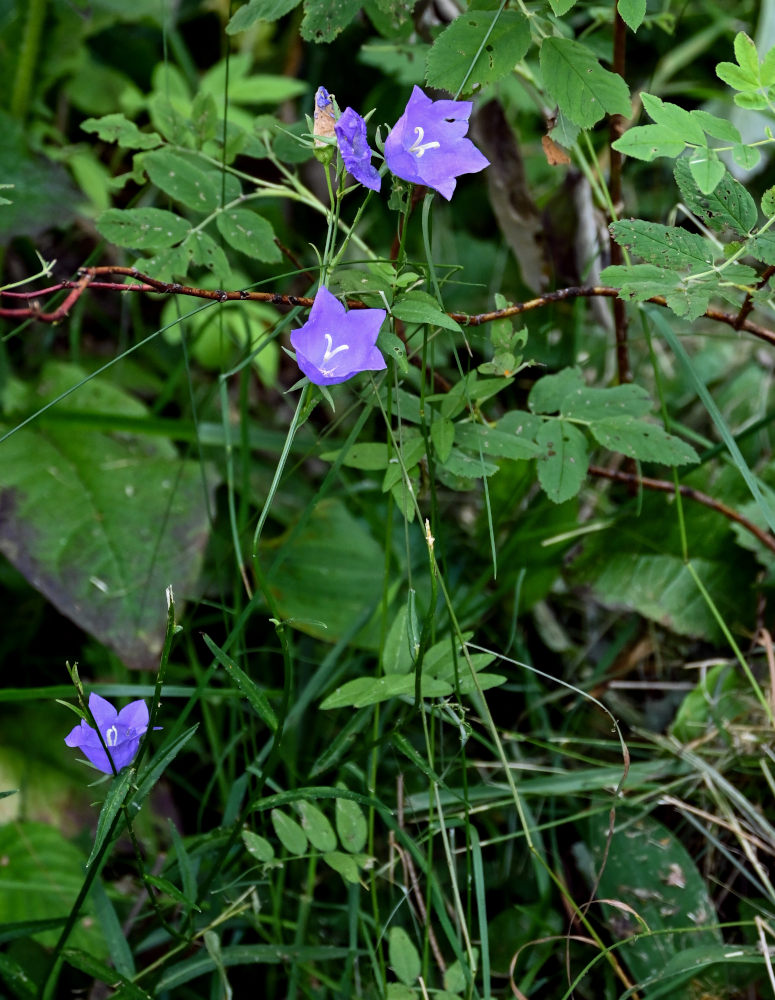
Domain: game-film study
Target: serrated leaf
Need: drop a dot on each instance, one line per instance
(665, 246)
(736, 77)
(768, 202)
(351, 825)
(142, 228)
(562, 468)
(324, 19)
(417, 307)
(249, 233)
(259, 847)
(746, 55)
(579, 84)
(317, 827)
(644, 441)
(707, 170)
(674, 119)
(404, 957)
(182, 180)
(728, 205)
(632, 12)
(719, 128)
(289, 833)
(116, 128)
(259, 10)
(205, 252)
(548, 393)
(503, 38)
(601, 404)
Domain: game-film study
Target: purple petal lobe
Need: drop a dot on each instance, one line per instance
(427, 145)
(121, 733)
(333, 345)
(356, 153)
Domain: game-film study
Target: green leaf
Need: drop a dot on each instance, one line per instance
(86, 962)
(746, 55)
(549, 392)
(116, 128)
(746, 156)
(183, 180)
(324, 19)
(370, 456)
(443, 437)
(589, 405)
(412, 451)
(259, 10)
(562, 468)
(728, 205)
(492, 442)
(397, 657)
(719, 128)
(644, 441)
(561, 7)
(259, 847)
(289, 833)
(101, 522)
(242, 682)
(16, 979)
(718, 700)
(579, 84)
(647, 142)
(345, 865)
(665, 246)
(114, 800)
(169, 889)
(398, 991)
(419, 307)
(768, 202)
(142, 228)
(632, 12)
(205, 252)
(404, 958)
(317, 827)
(249, 233)
(503, 38)
(351, 825)
(707, 170)
(674, 119)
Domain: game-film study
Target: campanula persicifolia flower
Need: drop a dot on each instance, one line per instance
(334, 344)
(356, 152)
(427, 145)
(121, 733)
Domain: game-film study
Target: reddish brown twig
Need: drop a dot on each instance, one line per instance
(664, 486)
(748, 303)
(616, 127)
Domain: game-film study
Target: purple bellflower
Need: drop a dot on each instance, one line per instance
(427, 145)
(333, 345)
(356, 153)
(121, 732)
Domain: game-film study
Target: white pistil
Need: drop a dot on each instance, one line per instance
(330, 353)
(419, 147)
(111, 736)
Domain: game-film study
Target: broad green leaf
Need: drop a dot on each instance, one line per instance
(644, 281)
(249, 233)
(204, 117)
(372, 690)
(707, 170)
(398, 991)
(41, 875)
(768, 202)
(289, 833)
(317, 827)
(676, 120)
(258, 846)
(461, 463)
(328, 575)
(443, 437)
(183, 180)
(489, 44)
(641, 440)
(324, 19)
(261, 88)
(419, 307)
(351, 825)
(562, 469)
(746, 55)
(404, 958)
(142, 228)
(579, 84)
(632, 12)
(116, 128)
(345, 865)
(99, 522)
(17, 979)
(492, 442)
(647, 142)
(718, 700)
(746, 156)
(549, 392)
(397, 657)
(204, 251)
(259, 10)
(648, 869)
(412, 451)
(458, 976)
(719, 128)
(728, 205)
(737, 78)
(370, 456)
(588, 404)
(665, 246)
(561, 7)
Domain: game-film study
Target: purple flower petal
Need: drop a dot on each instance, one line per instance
(427, 145)
(333, 345)
(121, 733)
(356, 152)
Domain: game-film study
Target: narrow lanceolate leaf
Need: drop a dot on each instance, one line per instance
(729, 205)
(665, 246)
(351, 825)
(562, 468)
(249, 233)
(116, 128)
(142, 228)
(259, 10)
(579, 84)
(480, 46)
(258, 846)
(255, 696)
(644, 441)
(289, 833)
(182, 179)
(113, 803)
(318, 828)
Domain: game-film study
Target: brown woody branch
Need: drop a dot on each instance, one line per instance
(664, 486)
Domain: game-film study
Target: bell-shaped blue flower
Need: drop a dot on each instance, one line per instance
(356, 152)
(334, 344)
(121, 733)
(427, 145)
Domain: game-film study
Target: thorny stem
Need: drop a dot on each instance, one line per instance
(616, 128)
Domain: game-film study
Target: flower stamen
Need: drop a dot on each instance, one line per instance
(111, 736)
(330, 353)
(418, 147)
